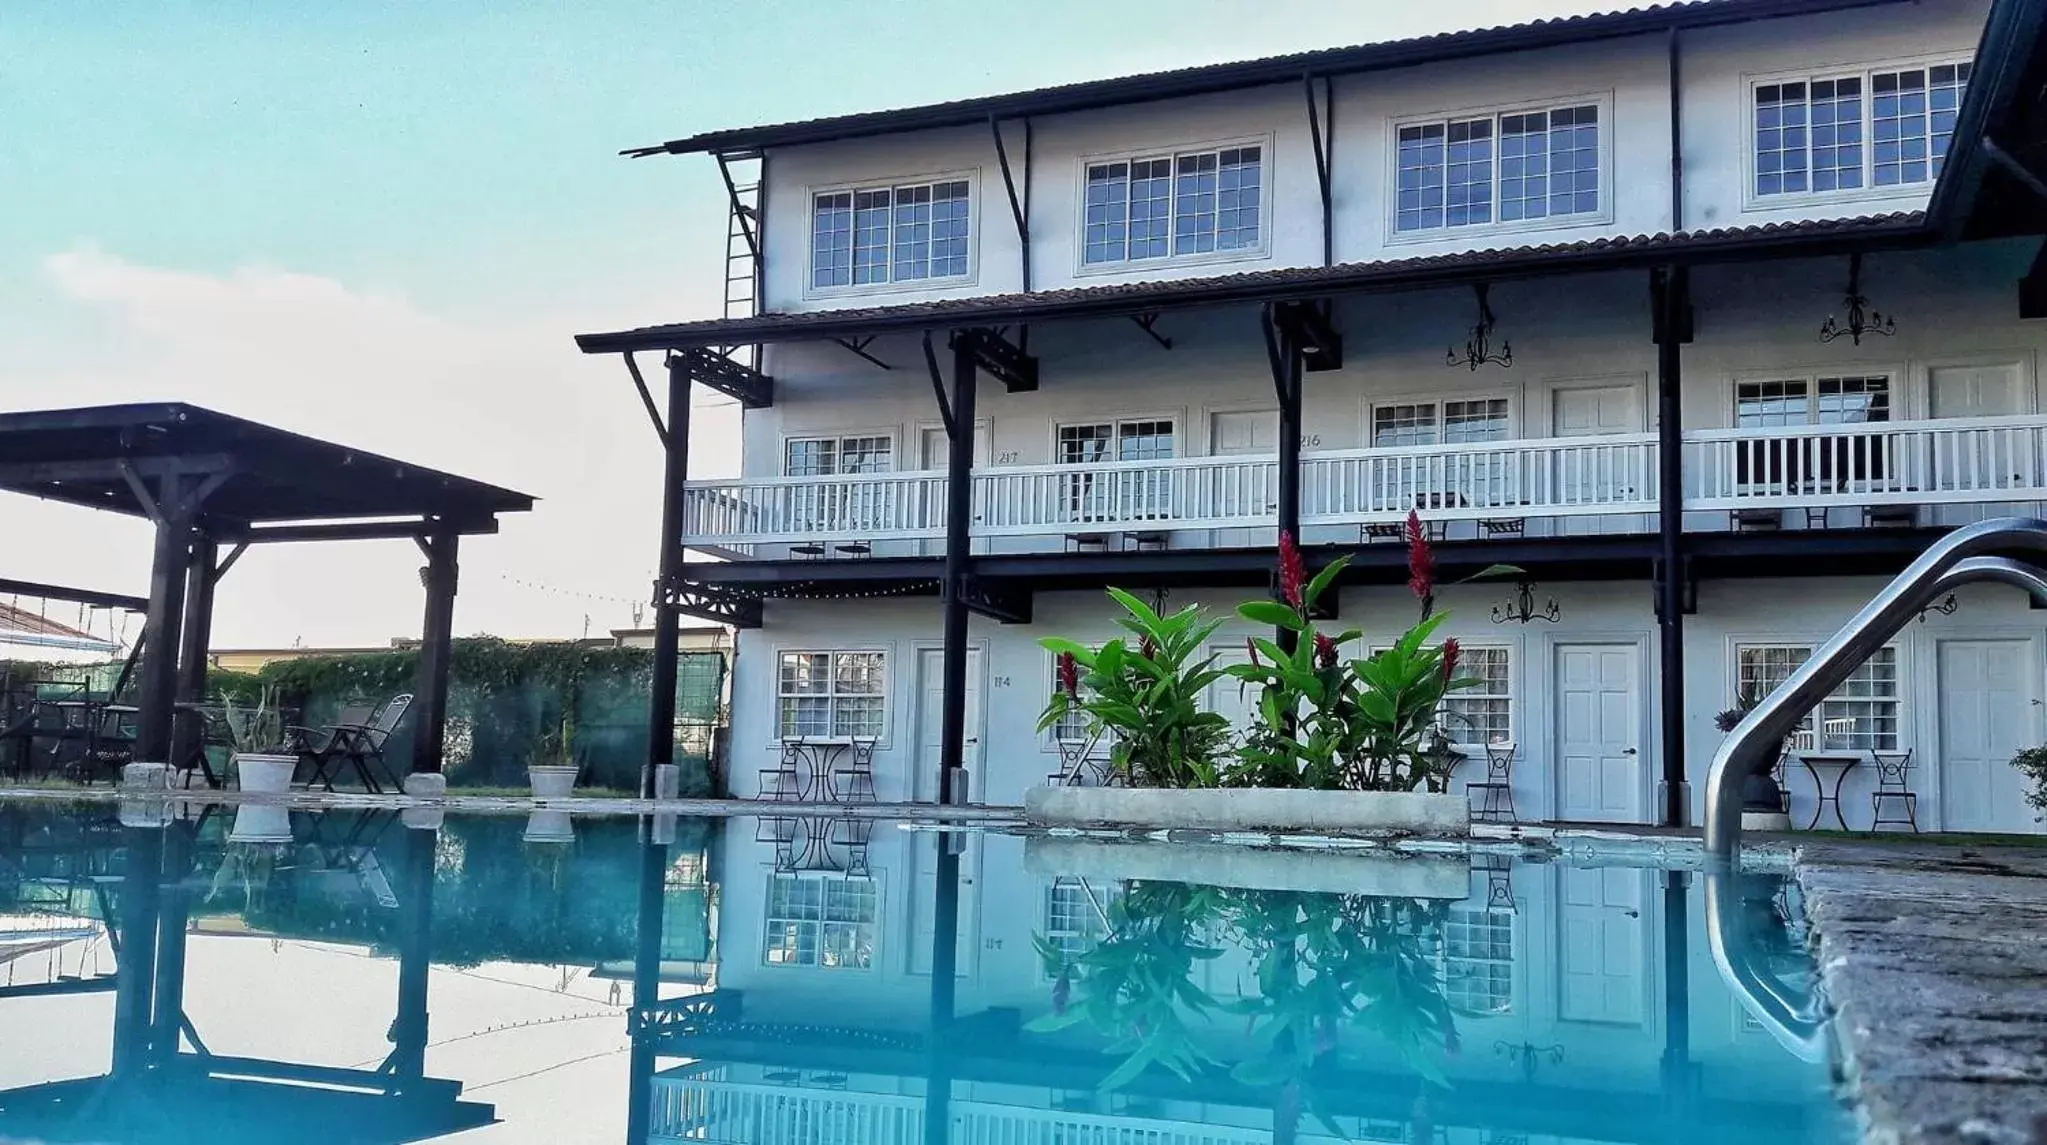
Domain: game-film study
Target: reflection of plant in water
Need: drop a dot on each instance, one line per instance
(251, 867)
(1323, 963)
(1134, 983)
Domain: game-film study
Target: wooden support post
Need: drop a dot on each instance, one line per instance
(437, 636)
(667, 615)
(959, 516)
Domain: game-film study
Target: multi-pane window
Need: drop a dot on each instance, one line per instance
(1484, 713)
(1846, 400)
(1846, 132)
(889, 234)
(1144, 439)
(1190, 203)
(824, 920)
(1861, 715)
(1073, 724)
(1432, 423)
(1478, 960)
(832, 694)
(1510, 168)
(1073, 915)
(823, 456)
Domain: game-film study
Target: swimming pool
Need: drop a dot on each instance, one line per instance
(342, 976)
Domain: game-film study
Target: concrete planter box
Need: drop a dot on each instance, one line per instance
(1252, 809)
(552, 781)
(1380, 872)
(258, 773)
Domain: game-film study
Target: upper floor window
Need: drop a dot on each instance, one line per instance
(1173, 205)
(876, 235)
(1512, 167)
(824, 456)
(1812, 401)
(1439, 423)
(1850, 132)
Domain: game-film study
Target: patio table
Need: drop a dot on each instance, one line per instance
(818, 754)
(1847, 761)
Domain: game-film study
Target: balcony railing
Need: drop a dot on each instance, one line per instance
(1979, 460)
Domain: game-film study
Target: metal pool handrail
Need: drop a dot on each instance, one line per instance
(1949, 562)
(1797, 1024)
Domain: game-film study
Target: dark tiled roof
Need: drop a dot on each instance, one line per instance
(1772, 239)
(1258, 72)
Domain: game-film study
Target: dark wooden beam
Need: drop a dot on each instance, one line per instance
(1311, 327)
(751, 388)
(718, 607)
(73, 595)
(998, 357)
(1007, 604)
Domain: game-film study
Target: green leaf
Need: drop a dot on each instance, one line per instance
(1272, 612)
(1491, 571)
(1324, 579)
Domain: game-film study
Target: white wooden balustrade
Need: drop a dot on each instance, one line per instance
(702, 1109)
(1982, 460)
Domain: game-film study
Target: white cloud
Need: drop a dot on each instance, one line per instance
(516, 405)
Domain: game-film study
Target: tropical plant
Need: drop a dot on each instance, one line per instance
(2033, 763)
(1147, 698)
(258, 729)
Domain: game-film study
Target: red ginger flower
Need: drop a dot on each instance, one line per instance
(1293, 577)
(1069, 675)
(1450, 654)
(1147, 647)
(1251, 650)
(1421, 559)
(1325, 651)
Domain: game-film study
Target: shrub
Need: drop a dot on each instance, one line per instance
(2033, 762)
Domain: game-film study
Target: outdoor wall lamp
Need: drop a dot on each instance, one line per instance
(1478, 343)
(1946, 607)
(1861, 318)
(1522, 608)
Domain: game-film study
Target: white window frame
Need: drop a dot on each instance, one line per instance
(1262, 249)
(1487, 921)
(1439, 399)
(1601, 100)
(887, 655)
(1814, 721)
(1811, 379)
(971, 176)
(889, 433)
(1864, 71)
(1461, 728)
(1091, 932)
(1051, 736)
(770, 938)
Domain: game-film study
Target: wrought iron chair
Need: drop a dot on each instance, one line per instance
(1496, 798)
(1893, 788)
(322, 747)
(781, 782)
(853, 780)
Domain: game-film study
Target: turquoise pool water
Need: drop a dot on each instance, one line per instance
(262, 975)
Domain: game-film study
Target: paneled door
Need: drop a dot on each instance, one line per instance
(1602, 945)
(1988, 694)
(1600, 776)
(924, 903)
(1244, 433)
(1974, 391)
(934, 449)
(1583, 475)
(931, 722)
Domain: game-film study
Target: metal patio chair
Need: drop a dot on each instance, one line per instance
(853, 780)
(1893, 789)
(359, 746)
(1496, 798)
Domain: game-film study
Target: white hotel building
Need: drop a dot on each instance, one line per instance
(999, 353)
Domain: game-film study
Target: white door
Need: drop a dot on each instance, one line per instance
(1228, 697)
(924, 903)
(1987, 698)
(934, 451)
(1236, 492)
(1598, 475)
(1600, 774)
(1973, 391)
(930, 725)
(1602, 945)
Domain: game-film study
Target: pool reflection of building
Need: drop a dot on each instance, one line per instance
(1587, 1006)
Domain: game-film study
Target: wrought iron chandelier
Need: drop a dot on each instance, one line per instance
(1529, 1056)
(1478, 342)
(1522, 608)
(1862, 319)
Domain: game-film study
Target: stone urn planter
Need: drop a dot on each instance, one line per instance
(552, 781)
(1252, 809)
(264, 773)
(549, 827)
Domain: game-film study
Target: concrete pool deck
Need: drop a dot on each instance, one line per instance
(1934, 958)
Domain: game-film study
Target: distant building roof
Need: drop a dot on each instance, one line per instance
(20, 626)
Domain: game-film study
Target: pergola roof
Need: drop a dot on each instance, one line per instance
(94, 457)
(1236, 75)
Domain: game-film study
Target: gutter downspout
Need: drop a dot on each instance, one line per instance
(1677, 133)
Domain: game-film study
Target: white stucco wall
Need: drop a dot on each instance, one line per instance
(1629, 80)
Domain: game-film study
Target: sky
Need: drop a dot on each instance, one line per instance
(381, 222)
